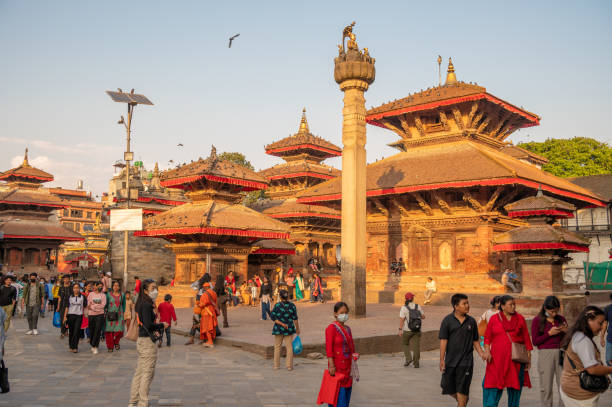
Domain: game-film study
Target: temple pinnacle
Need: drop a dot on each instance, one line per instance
(26, 163)
(304, 123)
(450, 73)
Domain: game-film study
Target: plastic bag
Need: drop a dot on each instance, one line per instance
(297, 345)
(56, 320)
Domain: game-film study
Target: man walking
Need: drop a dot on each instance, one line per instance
(411, 316)
(64, 293)
(8, 298)
(32, 299)
(458, 338)
(606, 341)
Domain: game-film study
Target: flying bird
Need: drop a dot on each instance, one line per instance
(232, 39)
(179, 145)
(170, 161)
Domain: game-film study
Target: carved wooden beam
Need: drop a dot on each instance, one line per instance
(493, 199)
(508, 198)
(476, 120)
(404, 122)
(419, 125)
(507, 129)
(403, 210)
(458, 118)
(499, 125)
(388, 124)
(483, 125)
(442, 203)
(444, 121)
(380, 207)
(471, 115)
(424, 206)
(472, 201)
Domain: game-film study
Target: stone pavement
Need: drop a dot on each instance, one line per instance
(44, 373)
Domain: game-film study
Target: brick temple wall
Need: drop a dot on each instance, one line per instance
(147, 258)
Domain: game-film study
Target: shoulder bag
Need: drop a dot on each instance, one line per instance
(519, 350)
(589, 382)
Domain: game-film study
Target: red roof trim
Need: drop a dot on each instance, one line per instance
(251, 185)
(460, 184)
(211, 231)
(533, 120)
(90, 259)
(301, 174)
(150, 212)
(300, 146)
(554, 212)
(35, 204)
(159, 200)
(510, 247)
(43, 237)
(304, 215)
(12, 174)
(274, 251)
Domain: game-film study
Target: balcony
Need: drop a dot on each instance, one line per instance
(590, 229)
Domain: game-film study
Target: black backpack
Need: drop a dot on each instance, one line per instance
(414, 318)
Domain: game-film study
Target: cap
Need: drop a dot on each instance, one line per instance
(409, 296)
(108, 273)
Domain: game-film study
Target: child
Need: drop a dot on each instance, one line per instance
(245, 292)
(129, 305)
(195, 323)
(253, 288)
(167, 315)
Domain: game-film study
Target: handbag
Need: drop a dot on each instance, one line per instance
(112, 316)
(132, 332)
(4, 381)
(519, 350)
(589, 382)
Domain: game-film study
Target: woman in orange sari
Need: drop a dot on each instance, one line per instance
(208, 322)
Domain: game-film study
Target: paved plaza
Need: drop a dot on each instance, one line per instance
(44, 373)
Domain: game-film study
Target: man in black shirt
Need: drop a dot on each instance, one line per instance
(64, 294)
(458, 338)
(8, 298)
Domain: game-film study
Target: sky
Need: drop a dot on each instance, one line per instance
(58, 57)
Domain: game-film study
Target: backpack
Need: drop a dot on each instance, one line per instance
(414, 318)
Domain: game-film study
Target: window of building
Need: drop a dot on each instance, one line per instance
(87, 227)
(66, 212)
(69, 225)
(74, 213)
(88, 215)
(77, 227)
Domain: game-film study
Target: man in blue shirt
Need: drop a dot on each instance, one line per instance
(607, 342)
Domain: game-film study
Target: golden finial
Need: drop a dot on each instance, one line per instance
(304, 123)
(156, 170)
(450, 73)
(97, 225)
(25, 159)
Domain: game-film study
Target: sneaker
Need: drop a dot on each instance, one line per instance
(29, 332)
(36, 332)
(95, 351)
(407, 363)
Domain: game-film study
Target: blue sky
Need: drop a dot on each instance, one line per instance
(58, 58)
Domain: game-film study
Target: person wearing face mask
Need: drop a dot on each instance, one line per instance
(548, 329)
(148, 334)
(341, 355)
(286, 324)
(33, 295)
(96, 304)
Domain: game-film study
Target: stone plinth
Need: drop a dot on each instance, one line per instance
(542, 272)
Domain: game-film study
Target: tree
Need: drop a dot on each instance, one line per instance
(237, 158)
(575, 157)
(240, 159)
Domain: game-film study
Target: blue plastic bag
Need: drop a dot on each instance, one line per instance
(297, 345)
(56, 320)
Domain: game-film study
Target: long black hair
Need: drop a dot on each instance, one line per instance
(582, 324)
(142, 296)
(550, 302)
(504, 299)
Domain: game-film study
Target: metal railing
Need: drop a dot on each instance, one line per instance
(589, 228)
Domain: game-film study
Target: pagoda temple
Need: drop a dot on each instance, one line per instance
(436, 206)
(215, 232)
(29, 226)
(315, 229)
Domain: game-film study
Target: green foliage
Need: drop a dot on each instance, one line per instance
(237, 158)
(575, 157)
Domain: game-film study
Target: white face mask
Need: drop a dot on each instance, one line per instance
(153, 295)
(342, 317)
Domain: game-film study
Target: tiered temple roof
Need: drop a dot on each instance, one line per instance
(25, 174)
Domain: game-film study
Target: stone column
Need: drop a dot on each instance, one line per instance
(354, 72)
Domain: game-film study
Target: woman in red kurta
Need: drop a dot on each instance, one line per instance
(501, 371)
(340, 350)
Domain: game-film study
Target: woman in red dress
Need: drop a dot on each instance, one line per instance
(341, 355)
(502, 373)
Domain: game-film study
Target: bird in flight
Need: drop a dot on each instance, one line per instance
(179, 145)
(170, 161)
(232, 39)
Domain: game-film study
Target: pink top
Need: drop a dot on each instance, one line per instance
(96, 303)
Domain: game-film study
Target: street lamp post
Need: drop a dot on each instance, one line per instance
(131, 99)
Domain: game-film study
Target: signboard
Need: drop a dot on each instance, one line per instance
(125, 219)
(83, 264)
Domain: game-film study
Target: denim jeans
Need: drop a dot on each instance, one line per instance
(265, 310)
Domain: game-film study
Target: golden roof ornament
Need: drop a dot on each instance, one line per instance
(303, 124)
(156, 170)
(352, 63)
(213, 152)
(451, 78)
(26, 163)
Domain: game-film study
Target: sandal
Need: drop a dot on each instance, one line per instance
(110, 350)
(117, 347)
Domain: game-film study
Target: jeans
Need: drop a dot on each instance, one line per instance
(32, 315)
(265, 310)
(609, 353)
(8, 309)
(167, 330)
(344, 397)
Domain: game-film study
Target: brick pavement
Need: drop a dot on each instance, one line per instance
(44, 373)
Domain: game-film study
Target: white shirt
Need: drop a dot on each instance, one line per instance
(404, 313)
(488, 314)
(585, 349)
(431, 285)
